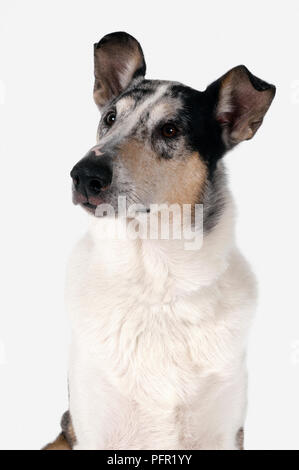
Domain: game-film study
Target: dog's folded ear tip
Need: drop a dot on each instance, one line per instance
(257, 83)
(242, 101)
(260, 85)
(272, 88)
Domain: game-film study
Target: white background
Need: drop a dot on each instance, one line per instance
(48, 122)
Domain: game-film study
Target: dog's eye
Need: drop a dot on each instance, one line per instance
(169, 131)
(110, 118)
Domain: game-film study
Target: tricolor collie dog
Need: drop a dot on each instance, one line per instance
(159, 328)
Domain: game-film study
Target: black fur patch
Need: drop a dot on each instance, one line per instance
(203, 132)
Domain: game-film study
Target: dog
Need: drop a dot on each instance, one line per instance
(159, 332)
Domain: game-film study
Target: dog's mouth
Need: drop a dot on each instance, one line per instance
(90, 207)
(84, 202)
(93, 206)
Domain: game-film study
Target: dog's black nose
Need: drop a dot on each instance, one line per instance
(91, 176)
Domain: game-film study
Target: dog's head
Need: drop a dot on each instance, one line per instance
(160, 141)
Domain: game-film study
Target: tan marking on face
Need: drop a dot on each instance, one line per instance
(125, 104)
(164, 110)
(173, 181)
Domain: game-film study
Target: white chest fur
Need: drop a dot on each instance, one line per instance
(159, 338)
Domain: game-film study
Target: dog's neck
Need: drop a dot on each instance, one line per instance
(165, 267)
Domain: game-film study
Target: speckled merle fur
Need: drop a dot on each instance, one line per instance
(195, 118)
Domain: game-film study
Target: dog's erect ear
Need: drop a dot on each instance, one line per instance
(242, 102)
(118, 59)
